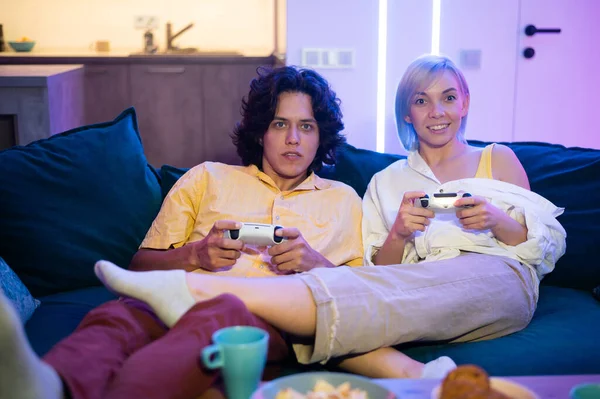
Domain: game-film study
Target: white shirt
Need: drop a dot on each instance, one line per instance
(444, 238)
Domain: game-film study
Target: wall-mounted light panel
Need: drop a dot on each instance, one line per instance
(327, 58)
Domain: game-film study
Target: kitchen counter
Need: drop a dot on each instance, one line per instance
(40, 100)
(129, 56)
(33, 75)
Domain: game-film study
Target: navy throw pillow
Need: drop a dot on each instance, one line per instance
(356, 166)
(169, 176)
(72, 199)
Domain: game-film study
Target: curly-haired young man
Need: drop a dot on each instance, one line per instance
(291, 127)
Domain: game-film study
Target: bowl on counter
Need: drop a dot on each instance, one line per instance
(22, 46)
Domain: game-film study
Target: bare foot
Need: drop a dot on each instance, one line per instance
(23, 375)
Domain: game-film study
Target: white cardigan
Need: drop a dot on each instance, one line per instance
(444, 238)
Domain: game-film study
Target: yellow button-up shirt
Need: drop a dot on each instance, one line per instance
(327, 213)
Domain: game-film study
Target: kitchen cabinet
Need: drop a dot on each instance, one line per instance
(107, 92)
(187, 106)
(187, 113)
(224, 86)
(168, 101)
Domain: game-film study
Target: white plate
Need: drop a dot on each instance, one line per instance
(304, 382)
(509, 388)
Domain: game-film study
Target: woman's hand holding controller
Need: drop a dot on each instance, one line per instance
(410, 218)
(479, 213)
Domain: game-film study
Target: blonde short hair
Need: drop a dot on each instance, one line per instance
(421, 73)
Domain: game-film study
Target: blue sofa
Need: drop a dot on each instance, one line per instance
(89, 193)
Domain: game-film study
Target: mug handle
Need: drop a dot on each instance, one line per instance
(208, 352)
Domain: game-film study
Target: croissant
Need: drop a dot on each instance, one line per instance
(469, 382)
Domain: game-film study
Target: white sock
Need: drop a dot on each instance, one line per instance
(22, 374)
(438, 368)
(166, 291)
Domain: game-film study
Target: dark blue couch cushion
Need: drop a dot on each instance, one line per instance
(562, 338)
(169, 176)
(74, 198)
(60, 314)
(356, 166)
(569, 178)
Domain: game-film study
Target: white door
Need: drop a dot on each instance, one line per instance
(558, 89)
(552, 97)
(481, 37)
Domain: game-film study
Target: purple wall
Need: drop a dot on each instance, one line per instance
(341, 24)
(409, 36)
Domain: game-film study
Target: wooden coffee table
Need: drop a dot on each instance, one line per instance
(546, 387)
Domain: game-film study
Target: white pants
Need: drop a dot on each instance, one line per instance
(467, 298)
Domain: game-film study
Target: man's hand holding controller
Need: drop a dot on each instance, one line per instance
(295, 255)
(289, 250)
(216, 251)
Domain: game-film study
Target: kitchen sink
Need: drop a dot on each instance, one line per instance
(189, 51)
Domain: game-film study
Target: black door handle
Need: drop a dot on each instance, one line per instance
(531, 30)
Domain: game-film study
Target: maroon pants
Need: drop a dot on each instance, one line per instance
(121, 350)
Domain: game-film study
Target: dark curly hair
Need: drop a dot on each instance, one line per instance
(258, 111)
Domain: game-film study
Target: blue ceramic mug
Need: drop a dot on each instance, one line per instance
(586, 391)
(241, 354)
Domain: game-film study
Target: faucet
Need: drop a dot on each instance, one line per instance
(171, 36)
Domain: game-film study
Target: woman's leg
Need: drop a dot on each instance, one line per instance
(165, 291)
(284, 301)
(470, 297)
(391, 363)
(383, 363)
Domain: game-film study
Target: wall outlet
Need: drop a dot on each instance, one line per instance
(470, 59)
(145, 22)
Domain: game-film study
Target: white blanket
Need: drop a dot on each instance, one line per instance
(444, 238)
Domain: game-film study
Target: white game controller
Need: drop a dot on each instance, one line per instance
(256, 234)
(441, 202)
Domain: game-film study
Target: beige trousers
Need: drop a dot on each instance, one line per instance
(467, 298)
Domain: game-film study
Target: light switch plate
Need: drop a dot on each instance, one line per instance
(327, 58)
